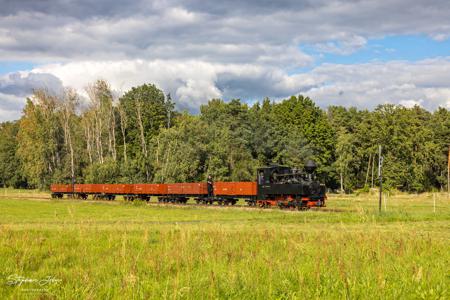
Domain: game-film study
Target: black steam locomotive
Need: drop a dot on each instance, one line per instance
(289, 188)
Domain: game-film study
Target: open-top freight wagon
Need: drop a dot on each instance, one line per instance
(275, 186)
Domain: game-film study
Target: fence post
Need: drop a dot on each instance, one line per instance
(434, 202)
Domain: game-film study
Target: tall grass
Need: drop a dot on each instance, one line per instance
(127, 251)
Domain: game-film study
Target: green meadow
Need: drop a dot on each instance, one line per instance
(73, 249)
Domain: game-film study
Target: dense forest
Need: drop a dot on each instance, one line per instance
(140, 137)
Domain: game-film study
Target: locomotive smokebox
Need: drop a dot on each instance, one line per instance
(310, 166)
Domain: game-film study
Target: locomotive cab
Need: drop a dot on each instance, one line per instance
(269, 175)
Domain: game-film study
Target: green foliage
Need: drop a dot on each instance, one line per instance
(229, 135)
(414, 145)
(153, 111)
(106, 172)
(345, 155)
(146, 111)
(40, 140)
(180, 151)
(293, 149)
(10, 169)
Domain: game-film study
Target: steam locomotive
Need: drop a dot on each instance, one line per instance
(290, 188)
(276, 186)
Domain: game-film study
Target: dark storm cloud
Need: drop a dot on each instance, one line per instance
(238, 7)
(83, 9)
(79, 9)
(16, 87)
(257, 86)
(22, 85)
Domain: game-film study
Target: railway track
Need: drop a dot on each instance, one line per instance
(126, 202)
(150, 203)
(25, 197)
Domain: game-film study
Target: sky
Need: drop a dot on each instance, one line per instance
(358, 53)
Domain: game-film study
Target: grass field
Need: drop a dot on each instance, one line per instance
(72, 249)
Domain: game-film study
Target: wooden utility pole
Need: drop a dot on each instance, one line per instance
(368, 169)
(380, 176)
(373, 167)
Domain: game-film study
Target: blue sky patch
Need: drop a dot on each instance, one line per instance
(404, 47)
(14, 66)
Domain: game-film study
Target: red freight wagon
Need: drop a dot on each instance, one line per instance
(61, 188)
(89, 188)
(195, 188)
(79, 188)
(187, 189)
(175, 188)
(223, 188)
(117, 188)
(149, 189)
(247, 188)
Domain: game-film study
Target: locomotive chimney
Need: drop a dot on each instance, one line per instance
(310, 166)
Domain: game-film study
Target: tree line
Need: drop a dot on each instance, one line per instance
(140, 137)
